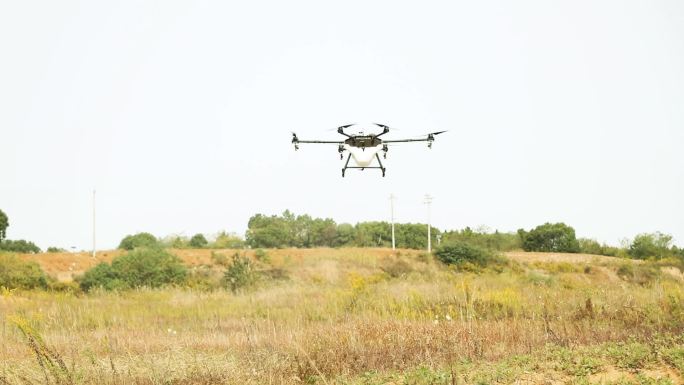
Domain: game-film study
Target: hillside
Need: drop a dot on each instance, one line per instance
(64, 266)
(362, 316)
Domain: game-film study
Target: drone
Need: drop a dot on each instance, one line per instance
(364, 147)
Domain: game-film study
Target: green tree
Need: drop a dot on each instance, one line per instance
(131, 242)
(198, 241)
(655, 245)
(268, 232)
(19, 246)
(550, 237)
(4, 224)
(344, 235)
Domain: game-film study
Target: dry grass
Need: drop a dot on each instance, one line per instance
(358, 316)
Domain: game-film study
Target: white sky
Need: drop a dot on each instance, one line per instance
(179, 114)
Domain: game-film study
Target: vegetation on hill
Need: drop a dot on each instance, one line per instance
(290, 230)
(19, 246)
(18, 274)
(360, 316)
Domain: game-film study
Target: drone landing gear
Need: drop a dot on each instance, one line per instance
(346, 165)
(381, 166)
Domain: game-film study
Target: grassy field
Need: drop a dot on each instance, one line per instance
(357, 316)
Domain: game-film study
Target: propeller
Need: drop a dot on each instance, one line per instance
(384, 126)
(438, 132)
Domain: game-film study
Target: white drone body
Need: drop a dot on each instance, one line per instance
(363, 157)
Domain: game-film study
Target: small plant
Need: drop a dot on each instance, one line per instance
(395, 267)
(219, 259)
(53, 366)
(262, 256)
(240, 274)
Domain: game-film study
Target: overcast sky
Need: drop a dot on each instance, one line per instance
(179, 114)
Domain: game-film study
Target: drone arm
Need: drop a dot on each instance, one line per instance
(320, 141)
(405, 140)
(385, 130)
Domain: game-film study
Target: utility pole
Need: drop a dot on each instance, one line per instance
(428, 202)
(392, 198)
(94, 244)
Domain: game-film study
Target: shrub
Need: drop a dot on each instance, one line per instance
(240, 273)
(396, 267)
(18, 274)
(131, 242)
(149, 267)
(203, 278)
(642, 274)
(20, 246)
(262, 256)
(175, 242)
(101, 276)
(553, 237)
(198, 241)
(53, 249)
(226, 240)
(219, 259)
(465, 255)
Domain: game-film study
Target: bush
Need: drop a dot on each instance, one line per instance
(131, 242)
(227, 241)
(465, 255)
(203, 278)
(198, 241)
(55, 250)
(550, 237)
(101, 276)
(240, 274)
(396, 267)
(20, 246)
(18, 274)
(642, 274)
(262, 256)
(149, 267)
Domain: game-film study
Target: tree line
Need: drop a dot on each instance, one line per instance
(304, 231)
